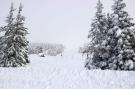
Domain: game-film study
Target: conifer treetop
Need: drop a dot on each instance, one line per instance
(10, 17)
(99, 8)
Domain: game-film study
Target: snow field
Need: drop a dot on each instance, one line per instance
(63, 72)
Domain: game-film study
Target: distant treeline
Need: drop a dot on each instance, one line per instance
(46, 48)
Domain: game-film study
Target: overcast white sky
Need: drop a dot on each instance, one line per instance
(59, 21)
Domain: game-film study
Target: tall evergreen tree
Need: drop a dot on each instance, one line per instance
(110, 44)
(97, 36)
(4, 62)
(16, 51)
(125, 48)
(21, 43)
(113, 40)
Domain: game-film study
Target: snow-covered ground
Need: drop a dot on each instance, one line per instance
(63, 72)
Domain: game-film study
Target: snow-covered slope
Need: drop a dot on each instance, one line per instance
(63, 72)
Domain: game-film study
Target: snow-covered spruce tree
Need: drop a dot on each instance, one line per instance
(97, 36)
(16, 51)
(125, 48)
(2, 45)
(4, 62)
(21, 43)
(110, 44)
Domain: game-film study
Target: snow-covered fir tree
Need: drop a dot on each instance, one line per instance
(112, 43)
(124, 58)
(97, 35)
(16, 44)
(21, 43)
(4, 62)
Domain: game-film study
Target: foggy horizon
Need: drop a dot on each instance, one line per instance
(59, 21)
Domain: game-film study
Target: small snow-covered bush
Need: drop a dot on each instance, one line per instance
(41, 54)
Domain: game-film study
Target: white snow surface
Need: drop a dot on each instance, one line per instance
(63, 72)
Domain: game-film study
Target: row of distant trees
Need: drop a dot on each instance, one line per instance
(46, 49)
(112, 39)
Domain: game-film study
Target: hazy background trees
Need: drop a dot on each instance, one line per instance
(46, 48)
